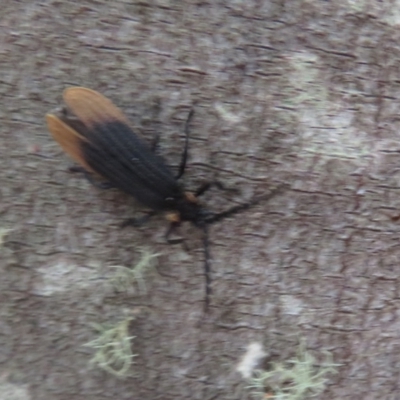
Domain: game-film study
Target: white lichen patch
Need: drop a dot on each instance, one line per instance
(333, 136)
(228, 115)
(8, 391)
(3, 233)
(251, 359)
(305, 80)
(291, 305)
(326, 126)
(392, 11)
(63, 275)
(358, 6)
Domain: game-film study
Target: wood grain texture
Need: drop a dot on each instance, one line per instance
(300, 93)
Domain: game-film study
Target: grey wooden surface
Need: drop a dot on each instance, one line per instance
(302, 93)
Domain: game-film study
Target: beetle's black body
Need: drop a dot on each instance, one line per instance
(140, 173)
(99, 138)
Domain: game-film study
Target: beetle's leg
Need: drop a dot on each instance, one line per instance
(182, 165)
(89, 177)
(136, 222)
(204, 188)
(171, 228)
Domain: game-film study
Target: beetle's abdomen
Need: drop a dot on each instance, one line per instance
(125, 160)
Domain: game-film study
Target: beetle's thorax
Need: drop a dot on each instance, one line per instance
(189, 209)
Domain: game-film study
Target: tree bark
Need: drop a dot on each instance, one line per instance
(303, 94)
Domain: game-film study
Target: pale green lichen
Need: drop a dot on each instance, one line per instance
(296, 379)
(113, 348)
(126, 277)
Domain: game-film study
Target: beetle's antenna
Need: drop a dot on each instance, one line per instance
(241, 207)
(182, 165)
(207, 269)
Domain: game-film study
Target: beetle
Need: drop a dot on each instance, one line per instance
(97, 135)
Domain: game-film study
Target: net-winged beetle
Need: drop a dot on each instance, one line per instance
(98, 137)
